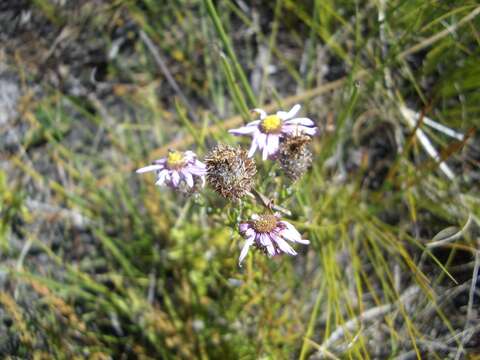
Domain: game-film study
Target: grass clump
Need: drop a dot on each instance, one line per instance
(97, 262)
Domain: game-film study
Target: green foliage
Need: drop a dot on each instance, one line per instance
(147, 273)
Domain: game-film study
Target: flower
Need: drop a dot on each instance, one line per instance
(267, 131)
(178, 170)
(269, 234)
(294, 155)
(229, 171)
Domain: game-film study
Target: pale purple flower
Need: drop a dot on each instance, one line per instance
(177, 169)
(267, 131)
(270, 234)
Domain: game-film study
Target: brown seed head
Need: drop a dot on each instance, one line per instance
(229, 171)
(294, 155)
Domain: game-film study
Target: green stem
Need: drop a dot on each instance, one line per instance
(267, 203)
(230, 52)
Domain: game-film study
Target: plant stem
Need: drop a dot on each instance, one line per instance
(267, 203)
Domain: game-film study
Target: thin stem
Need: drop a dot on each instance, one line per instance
(267, 203)
(168, 76)
(230, 52)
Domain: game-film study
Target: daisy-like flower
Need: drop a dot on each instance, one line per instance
(267, 131)
(177, 170)
(269, 234)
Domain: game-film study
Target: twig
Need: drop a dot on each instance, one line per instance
(412, 119)
(432, 39)
(468, 334)
(442, 128)
(368, 315)
(322, 350)
(437, 345)
(455, 236)
(164, 69)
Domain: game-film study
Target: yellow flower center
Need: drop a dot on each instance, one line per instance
(271, 124)
(265, 223)
(175, 159)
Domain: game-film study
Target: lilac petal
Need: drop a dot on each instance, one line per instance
(245, 130)
(255, 217)
(175, 178)
(265, 153)
(283, 245)
(291, 228)
(261, 140)
(255, 143)
(199, 167)
(260, 112)
(289, 129)
(303, 241)
(308, 130)
(244, 252)
(290, 233)
(288, 115)
(243, 227)
(161, 177)
(200, 164)
(272, 143)
(149, 168)
(188, 178)
(161, 161)
(294, 110)
(298, 129)
(253, 123)
(253, 148)
(300, 121)
(266, 241)
(271, 250)
(196, 170)
(189, 156)
(262, 144)
(249, 232)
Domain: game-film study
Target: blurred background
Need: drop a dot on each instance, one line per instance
(98, 263)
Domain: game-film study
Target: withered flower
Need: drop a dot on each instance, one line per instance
(229, 171)
(294, 155)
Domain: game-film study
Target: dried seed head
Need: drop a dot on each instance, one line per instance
(294, 155)
(229, 171)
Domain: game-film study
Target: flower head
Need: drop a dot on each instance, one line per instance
(179, 170)
(294, 156)
(267, 131)
(269, 234)
(229, 171)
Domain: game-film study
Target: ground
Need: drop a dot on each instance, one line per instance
(98, 262)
